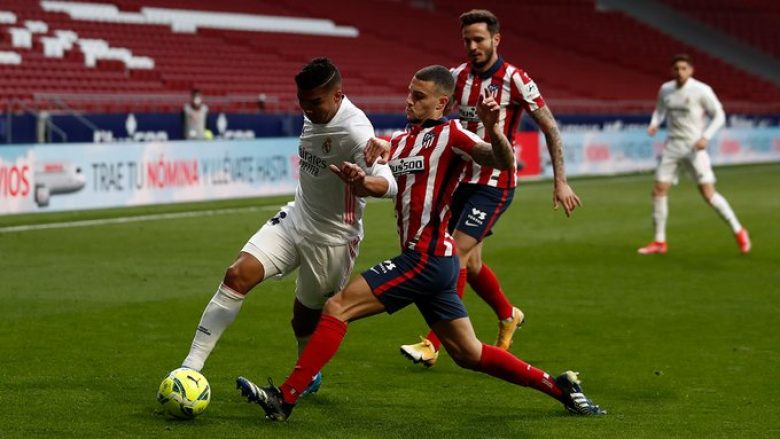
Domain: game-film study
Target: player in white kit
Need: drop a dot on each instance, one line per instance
(319, 232)
(685, 102)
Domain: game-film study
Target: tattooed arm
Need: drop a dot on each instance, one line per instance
(496, 154)
(563, 194)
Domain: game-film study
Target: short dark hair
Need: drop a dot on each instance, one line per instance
(440, 76)
(682, 57)
(481, 16)
(317, 73)
(195, 91)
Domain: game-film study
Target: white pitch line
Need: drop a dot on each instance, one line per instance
(132, 219)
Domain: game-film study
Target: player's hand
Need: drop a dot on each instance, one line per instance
(349, 173)
(564, 195)
(488, 109)
(701, 144)
(651, 130)
(377, 150)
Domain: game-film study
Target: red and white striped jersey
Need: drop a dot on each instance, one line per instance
(515, 91)
(427, 162)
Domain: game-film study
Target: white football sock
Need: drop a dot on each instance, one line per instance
(218, 315)
(724, 210)
(660, 213)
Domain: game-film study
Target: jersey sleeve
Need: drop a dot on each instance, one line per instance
(359, 135)
(659, 114)
(714, 108)
(463, 141)
(525, 92)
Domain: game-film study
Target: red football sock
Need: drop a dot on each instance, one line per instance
(501, 364)
(486, 285)
(460, 288)
(321, 348)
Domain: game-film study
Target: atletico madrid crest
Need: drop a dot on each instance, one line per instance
(428, 140)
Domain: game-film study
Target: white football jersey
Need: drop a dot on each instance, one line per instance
(686, 109)
(325, 209)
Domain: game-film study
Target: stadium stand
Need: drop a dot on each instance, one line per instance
(145, 55)
(609, 55)
(753, 21)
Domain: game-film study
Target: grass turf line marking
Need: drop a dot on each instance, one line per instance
(133, 219)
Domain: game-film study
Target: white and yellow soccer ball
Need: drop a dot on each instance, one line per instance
(184, 393)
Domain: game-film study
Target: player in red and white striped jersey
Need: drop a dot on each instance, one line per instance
(486, 192)
(515, 91)
(426, 161)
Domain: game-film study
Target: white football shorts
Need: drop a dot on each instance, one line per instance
(695, 161)
(323, 269)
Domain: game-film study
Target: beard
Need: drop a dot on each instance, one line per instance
(488, 57)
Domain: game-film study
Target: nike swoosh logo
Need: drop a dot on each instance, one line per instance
(470, 224)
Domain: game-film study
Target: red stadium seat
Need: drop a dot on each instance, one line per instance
(581, 58)
(753, 21)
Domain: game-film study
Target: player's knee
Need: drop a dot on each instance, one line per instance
(465, 243)
(344, 307)
(658, 191)
(473, 266)
(334, 307)
(238, 279)
(465, 250)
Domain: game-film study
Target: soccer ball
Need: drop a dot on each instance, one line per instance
(184, 393)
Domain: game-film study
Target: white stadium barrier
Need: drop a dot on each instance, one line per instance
(185, 20)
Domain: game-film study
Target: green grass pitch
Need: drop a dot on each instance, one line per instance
(681, 345)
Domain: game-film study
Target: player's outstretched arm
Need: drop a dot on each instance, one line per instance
(362, 184)
(498, 154)
(563, 193)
